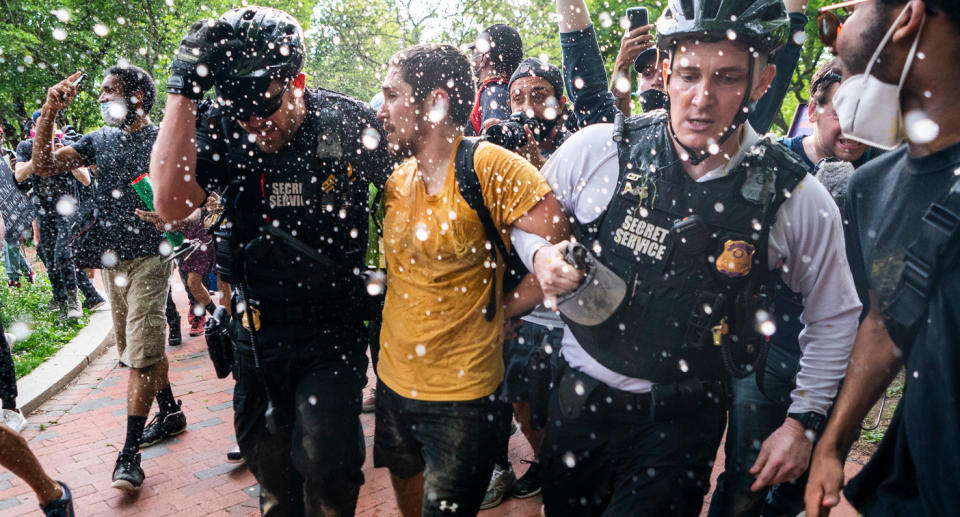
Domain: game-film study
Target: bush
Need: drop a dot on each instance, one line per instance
(40, 332)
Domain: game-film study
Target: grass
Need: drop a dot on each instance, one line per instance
(40, 332)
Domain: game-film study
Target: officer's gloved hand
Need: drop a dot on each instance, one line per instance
(193, 68)
(217, 321)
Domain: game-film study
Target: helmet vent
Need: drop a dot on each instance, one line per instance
(687, 7)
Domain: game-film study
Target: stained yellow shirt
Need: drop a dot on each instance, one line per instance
(435, 343)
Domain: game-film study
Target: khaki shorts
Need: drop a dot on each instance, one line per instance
(138, 296)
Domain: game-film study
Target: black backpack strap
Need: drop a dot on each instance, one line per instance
(926, 259)
(469, 186)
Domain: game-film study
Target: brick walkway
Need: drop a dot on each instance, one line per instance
(78, 433)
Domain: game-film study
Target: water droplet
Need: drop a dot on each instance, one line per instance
(421, 232)
(420, 349)
(606, 20)
(916, 374)
(375, 283)
(482, 45)
(312, 399)
(569, 460)
(370, 138)
(67, 206)
(438, 111)
(718, 206)
(165, 248)
(100, 29)
(28, 59)
(109, 259)
(62, 14)
(59, 34)
(731, 34)
(684, 367)
(578, 83)
(120, 280)
(21, 330)
(202, 70)
(622, 84)
(578, 388)
(765, 323)
(920, 128)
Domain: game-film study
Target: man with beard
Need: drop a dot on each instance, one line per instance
(293, 167)
(135, 273)
(439, 428)
(702, 220)
(902, 63)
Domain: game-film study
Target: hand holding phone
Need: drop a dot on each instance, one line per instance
(76, 82)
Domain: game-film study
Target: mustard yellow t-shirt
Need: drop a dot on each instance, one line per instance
(435, 343)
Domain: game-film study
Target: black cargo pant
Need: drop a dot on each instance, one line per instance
(315, 372)
(56, 253)
(8, 375)
(609, 456)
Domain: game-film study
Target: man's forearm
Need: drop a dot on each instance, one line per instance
(873, 365)
(42, 157)
(23, 171)
(174, 159)
(573, 15)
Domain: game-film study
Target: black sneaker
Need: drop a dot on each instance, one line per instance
(62, 507)
(164, 426)
(127, 474)
(529, 484)
(174, 338)
(501, 482)
(92, 302)
(234, 455)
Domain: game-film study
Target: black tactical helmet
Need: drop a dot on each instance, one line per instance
(762, 24)
(260, 44)
(265, 42)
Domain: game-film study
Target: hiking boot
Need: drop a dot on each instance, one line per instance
(127, 474)
(62, 507)
(369, 403)
(30, 277)
(164, 426)
(501, 482)
(72, 308)
(54, 305)
(234, 455)
(529, 483)
(14, 284)
(196, 326)
(14, 419)
(174, 338)
(93, 302)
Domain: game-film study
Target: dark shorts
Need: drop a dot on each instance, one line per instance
(203, 258)
(516, 359)
(454, 445)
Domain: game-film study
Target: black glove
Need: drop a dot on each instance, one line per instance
(193, 68)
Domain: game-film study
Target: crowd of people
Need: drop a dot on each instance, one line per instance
(507, 243)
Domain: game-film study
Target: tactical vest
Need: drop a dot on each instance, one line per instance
(693, 255)
(312, 197)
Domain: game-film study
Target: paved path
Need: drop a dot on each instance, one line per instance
(78, 432)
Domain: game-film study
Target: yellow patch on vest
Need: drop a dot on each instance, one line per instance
(736, 259)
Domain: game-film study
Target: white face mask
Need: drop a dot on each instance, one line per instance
(868, 108)
(114, 113)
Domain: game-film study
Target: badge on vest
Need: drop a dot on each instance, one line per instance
(736, 259)
(328, 146)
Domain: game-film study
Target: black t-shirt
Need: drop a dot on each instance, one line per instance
(913, 471)
(316, 187)
(46, 191)
(120, 158)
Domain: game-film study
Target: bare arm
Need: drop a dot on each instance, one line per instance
(47, 159)
(573, 15)
(545, 219)
(82, 174)
(23, 170)
(633, 43)
(873, 365)
(173, 162)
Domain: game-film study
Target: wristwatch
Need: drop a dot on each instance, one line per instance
(811, 421)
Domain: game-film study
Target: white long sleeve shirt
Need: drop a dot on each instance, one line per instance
(806, 243)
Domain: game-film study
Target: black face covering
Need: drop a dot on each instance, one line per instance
(542, 127)
(652, 99)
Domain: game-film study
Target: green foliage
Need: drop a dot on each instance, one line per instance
(26, 308)
(42, 43)
(349, 42)
(874, 435)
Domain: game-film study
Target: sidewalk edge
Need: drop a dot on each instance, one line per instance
(56, 372)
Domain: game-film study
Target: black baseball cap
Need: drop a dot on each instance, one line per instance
(506, 47)
(533, 67)
(645, 58)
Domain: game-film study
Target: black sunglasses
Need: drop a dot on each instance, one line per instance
(829, 24)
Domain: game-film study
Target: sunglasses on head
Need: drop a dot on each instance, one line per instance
(829, 24)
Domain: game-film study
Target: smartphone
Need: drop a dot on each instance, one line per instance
(76, 82)
(638, 17)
